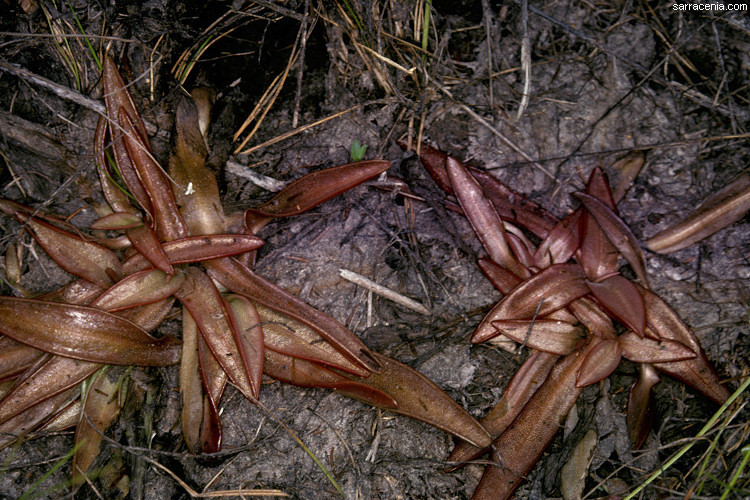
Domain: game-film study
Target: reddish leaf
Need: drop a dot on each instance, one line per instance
(23, 423)
(644, 350)
(617, 232)
(552, 336)
(15, 357)
(77, 256)
(200, 296)
(418, 397)
(621, 298)
(510, 205)
(640, 414)
(199, 248)
(593, 318)
(250, 333)
(143, 287)
(561, 242)
(84, 333)
(501, 278)
(553, 288)
(43, 380)
(241, 280)
(168, 222)
(602, 359)
(483, 217)
(313, 189)
(520, 389)
(286, 335)
(117, 98)
(521, 445)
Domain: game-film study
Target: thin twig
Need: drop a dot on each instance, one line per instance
(525, 58)
(389, 294)
(57, 89)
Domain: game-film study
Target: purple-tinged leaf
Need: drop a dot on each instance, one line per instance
(84, 333)
(214, 379)
(644, 350)
(552, 336)
(510, 205)
(602, 359)
(618, 233)
(696, 372)
(117, 98)
(719, 210)
(501, 278)
(483, 217)
(640, 414)
(142, 237)
(553, 288)
(520, 250)
(83, 258)
(664, 322)
(620, 297)
(138, 289)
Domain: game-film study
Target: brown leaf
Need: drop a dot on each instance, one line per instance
(719, 210)
(100, 410)
(241, 280)
(200, 296)
(141, 288)
(528, 436)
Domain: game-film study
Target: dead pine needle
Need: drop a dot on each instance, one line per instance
(216, 494)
